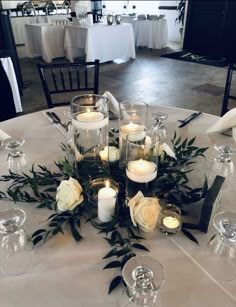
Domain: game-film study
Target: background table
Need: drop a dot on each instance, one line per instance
(103, 42)
(45, 40)
(151, 33)
(19, 29)
(70, 274)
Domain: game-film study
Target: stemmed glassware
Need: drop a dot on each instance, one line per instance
(220, 257)
(158, 127)
(17, 256)
(143, 276)
(16, 158)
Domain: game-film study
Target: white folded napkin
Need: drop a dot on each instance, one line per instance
(4, 136)
(113, 105)
(226, 122)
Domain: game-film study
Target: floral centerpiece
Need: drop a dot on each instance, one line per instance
(69, 200)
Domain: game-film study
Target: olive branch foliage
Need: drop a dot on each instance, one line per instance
(39, 187)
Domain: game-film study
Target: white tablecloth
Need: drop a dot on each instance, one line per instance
(103, 42)
(19, 29)
(46, 40)
(71, 274)
(151, 33)
(9, 69)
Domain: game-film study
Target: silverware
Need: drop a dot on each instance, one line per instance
(56, 119)
(185, 121)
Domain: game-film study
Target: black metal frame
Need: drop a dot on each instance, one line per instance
(227, 96)
(80, 67)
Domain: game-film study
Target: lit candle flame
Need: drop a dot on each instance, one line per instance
(88, 110)
(107, 184)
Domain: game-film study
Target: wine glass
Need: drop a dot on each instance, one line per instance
(143, 276)
(17, 253)
(220, 257)
(158, 127)
(16, 158)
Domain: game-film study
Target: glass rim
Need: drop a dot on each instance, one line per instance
(102, 181)
(169, 207)
(138, 103)
(154, 140)
(73, 99)
(148, 258)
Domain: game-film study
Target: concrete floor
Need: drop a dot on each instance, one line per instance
(158, 81)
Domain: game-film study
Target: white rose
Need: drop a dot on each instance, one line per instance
(112, 151)
(69, 194)
(165, 148)
(144, 211)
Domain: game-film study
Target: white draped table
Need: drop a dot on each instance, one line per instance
(71, 274)
(19, 29)
(46, 40)
(151, 33)
(103, 42)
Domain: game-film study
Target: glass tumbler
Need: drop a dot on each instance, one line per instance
(143, 276)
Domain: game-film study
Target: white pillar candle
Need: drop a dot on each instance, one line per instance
(141, 171)
(130, 128)
(171, 222)
(106, 204)
(90, 120)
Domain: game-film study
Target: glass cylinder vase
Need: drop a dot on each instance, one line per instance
(133, 117)
(142, 165)
(90, 123)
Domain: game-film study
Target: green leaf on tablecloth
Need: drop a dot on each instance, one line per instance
(115, 283)
(111, 253)
(37, 239)
(75, 231)
(38, 232)
(140, 246)
(123, 251)
(113, 264)
(189, 235)
(212, 238)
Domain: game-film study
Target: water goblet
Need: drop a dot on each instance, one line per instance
(16, 158)
(158, 127)
(143, 276)
(220, 255)
(18, 256)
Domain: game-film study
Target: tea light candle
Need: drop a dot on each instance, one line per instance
(106, 203)
(141, 171)
(171, 222)
(131, 128)
(90, 120)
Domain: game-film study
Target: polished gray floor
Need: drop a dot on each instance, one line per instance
(157, 80)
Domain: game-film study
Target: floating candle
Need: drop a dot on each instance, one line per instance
(141, 171)
(106, 203)
(130, 128)
(90, 120)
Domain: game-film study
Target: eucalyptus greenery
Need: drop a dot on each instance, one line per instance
(39, 188)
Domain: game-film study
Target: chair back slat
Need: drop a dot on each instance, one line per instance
(67, 78)
(70, 77)
(85, 77)
(54, 78)
(78, 76)
(62, 79)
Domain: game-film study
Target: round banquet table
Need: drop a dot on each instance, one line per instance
(69, 273)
